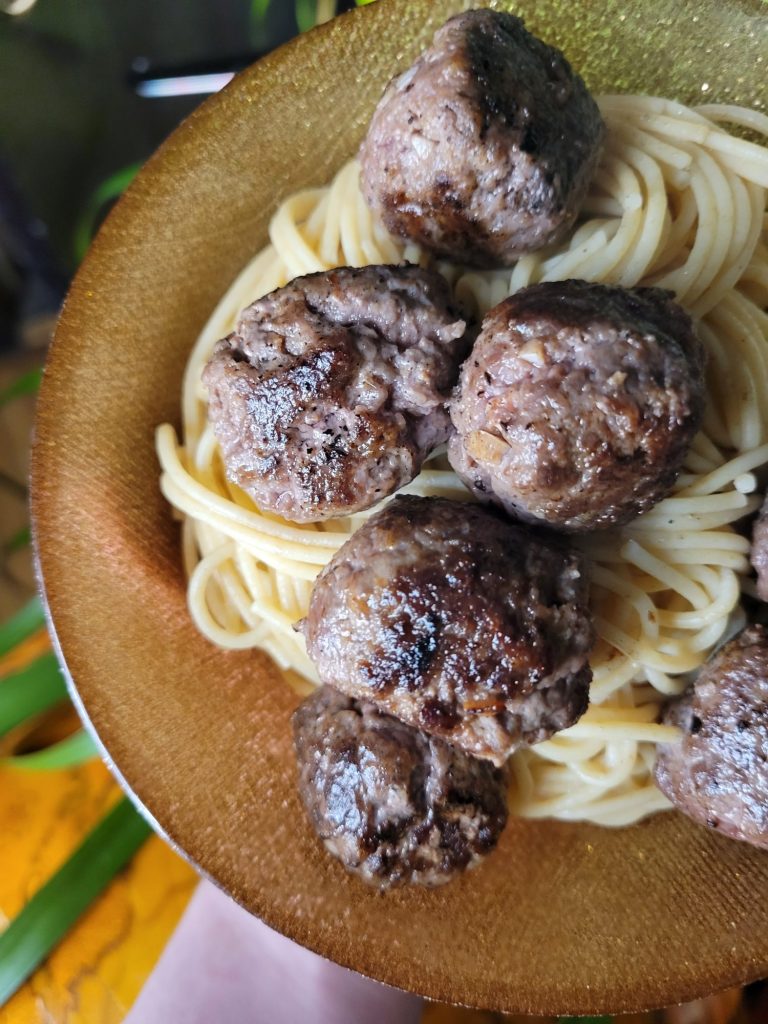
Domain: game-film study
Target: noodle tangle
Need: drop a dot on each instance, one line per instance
(677, 202)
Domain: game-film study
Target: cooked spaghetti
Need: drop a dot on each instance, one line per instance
(677, 202)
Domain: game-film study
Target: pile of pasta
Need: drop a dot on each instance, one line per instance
(679, 201)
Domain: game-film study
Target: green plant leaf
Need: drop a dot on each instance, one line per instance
(306, 14)
(68, 753)
(27, 384)
(54, 908)
(23, 624)
(113, 187)
(584, 1020)
(259, 9)
(30, 692)
(363, 3)
(18, 540)
(257, 23)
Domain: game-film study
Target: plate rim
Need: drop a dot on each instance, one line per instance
(266, 65)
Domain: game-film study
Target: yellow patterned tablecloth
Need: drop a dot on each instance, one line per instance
(96, 973)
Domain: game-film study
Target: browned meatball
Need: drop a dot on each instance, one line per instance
(718, 773)
(457, 622)
(393, 804)
(331, 391)
(578, 403)
(484, 149)
(758, 555)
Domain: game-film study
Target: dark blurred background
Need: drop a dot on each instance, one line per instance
(88, 89)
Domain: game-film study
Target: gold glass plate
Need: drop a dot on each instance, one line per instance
(562, 918)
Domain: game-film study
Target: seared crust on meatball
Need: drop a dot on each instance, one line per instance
(718, 773)
(457, 622)
(484, 149)
(578, 403)
(331, 391)
(758, 554)
(395, 806)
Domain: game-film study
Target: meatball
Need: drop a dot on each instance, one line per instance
(758, 555)
(393, 804)
(331, 391)
(458, 623)
(578, 404)
(718, 773)
(485, 148)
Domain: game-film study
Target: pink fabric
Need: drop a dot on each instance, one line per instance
(223, 966)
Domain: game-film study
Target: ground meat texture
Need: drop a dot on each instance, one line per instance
(759, 552)
(457, 622)
(331, 391)
(484, 149)
(394, 805)
(578, 403)
(718, 773)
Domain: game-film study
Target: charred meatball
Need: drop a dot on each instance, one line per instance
(759, 552)
(458, 623)
(578, 403)
(484, 149)
(393, 804)
(331, 391)
(718, 773)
